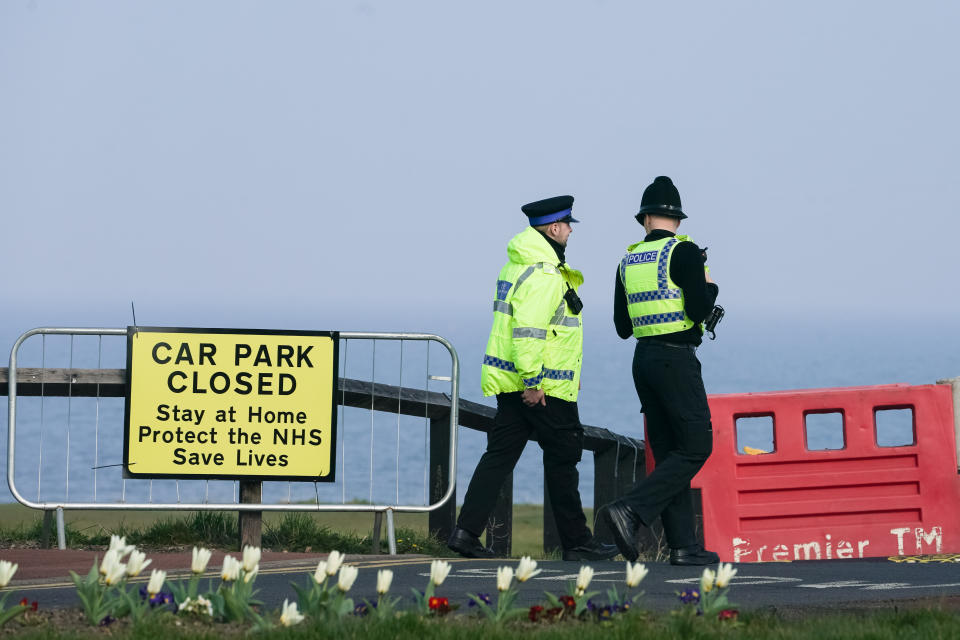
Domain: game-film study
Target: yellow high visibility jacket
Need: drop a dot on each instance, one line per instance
(535, 342)
(654, 300)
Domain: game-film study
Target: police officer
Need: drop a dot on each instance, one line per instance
(663, 292)
(532, 364)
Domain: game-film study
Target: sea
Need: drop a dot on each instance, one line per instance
(70, 449)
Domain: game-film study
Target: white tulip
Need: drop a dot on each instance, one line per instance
(251, 557)
(527, 569)
(7, 569)
(321, 573)
(707, 580)
(584, 578)
(636, 572)
(115, 573)
(504, 578)
(439, 569)
(116, 543)
(334, 560)
(201, 556)
(347, 577)
(725, 573)
(137, 563)
(384, 579)
(230, 570)
(119, 544)
(110, 558)
(289, 615)
(157, 578)
(250, 575)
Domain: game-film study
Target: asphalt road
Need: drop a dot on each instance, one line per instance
(797, 585)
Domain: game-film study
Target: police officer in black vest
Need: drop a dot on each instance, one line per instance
(663, 292)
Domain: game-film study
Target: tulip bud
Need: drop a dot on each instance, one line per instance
(347, 577)
(157, 578)
(725, 573)
(527, 569)
(321, 572)
(251, 557)
(384, 579)
(201, 556)
(7, 569)
(289, 615)
(636, 572)
(136, 563)
(707, 580)
(439, 569)
(504, 578)
(584, 578)
(334, 560)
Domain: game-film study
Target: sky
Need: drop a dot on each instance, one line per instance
(322, 162)
(361, 166)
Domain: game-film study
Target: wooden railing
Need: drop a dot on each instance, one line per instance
(618, 460)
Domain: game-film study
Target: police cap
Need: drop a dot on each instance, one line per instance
(556, 209)
(661, 198)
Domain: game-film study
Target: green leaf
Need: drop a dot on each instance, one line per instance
(11, 613)
(506, 599)
(582, 602)
(346, 607)
(93, 575)
(553, 600)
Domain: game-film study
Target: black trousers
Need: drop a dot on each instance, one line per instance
(559, 433)
(670, 387)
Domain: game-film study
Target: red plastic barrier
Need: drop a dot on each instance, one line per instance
(864, 500)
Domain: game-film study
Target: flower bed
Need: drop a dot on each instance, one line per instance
(107, 598)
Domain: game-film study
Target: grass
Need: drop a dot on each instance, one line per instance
(885, 625)
(295, 531)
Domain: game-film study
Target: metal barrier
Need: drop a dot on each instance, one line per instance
(618, 460)
(376, 398)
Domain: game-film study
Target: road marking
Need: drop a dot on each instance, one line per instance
(838, 584)
(743, 580)
(905, 585)
(483, 572)
(883, 586)
(597, 576)
(875, 586)
(44, 586)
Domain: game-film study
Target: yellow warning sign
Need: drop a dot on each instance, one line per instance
(228, 403)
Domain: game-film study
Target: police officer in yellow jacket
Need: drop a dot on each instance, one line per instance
(532, 365)
(663, 292)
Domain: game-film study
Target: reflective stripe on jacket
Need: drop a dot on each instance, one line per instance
(654, 301)
(535, 342)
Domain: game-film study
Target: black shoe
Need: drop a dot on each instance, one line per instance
(693, 556)
(623, 525)
(592, 549)
(468, 545)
